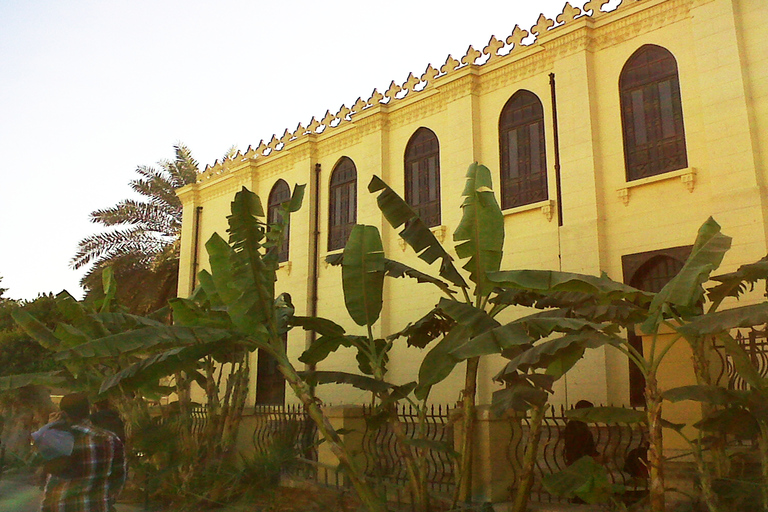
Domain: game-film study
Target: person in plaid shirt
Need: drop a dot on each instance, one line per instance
(96, 469)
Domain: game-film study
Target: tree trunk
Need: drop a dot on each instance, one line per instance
(525, 483)
(656, 448)
(464, 484)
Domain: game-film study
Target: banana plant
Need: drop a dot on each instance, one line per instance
(364, 268)
(469, 311)
(678, 307)
(725, 411)
(235, 310)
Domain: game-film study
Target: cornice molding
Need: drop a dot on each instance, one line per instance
(645, 19)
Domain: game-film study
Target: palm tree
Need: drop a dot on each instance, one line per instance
(143, 247)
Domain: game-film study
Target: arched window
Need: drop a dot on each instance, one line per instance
(342, 208)
(523, 152)
(280, 193)
(422, 176)
(651, 114)
(649, 272)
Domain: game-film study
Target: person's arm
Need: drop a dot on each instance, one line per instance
(119, 469)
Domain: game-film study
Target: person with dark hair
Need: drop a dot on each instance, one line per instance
(95, 471)
(107, 418)
(578, 438)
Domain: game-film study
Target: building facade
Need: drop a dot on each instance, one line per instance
(611, 138)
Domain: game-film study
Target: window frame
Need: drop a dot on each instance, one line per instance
(279, 194)
(338, 186)
(423, 150)
(523, 114)
(652, 122)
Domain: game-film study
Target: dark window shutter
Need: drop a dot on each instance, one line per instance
(651, 114)
(280, 193)
(523, 151)
(342, 203)
(422, 176)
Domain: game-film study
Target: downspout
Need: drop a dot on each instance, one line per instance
(315, 264)
(196, 249)
(558, 193)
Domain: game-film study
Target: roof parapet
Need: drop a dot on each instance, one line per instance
(412, 84)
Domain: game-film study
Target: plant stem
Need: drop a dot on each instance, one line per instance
(525, 483)
(464, 485)
(656, 448)
(367, 496)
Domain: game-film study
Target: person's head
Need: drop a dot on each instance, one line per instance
(76, 406)
(583, 404)
(102, 405)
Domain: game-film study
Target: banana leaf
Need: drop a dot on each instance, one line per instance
(325, 345)
(685, 291)
(475, 319)
(146, 338)
(76, 314)
(518, 398)
(585, 479)
(519, 335)
(12, 382)
(428, 328)
(362, 275)
(557, 355)
(736, 283)
(549, 281)
(358, 381)
(36, 329)
(480, 233)
(725, 320)
(322, 326)
(416, 233)
(153, 368)
(438, 363)
(394, 268)
(714, 395)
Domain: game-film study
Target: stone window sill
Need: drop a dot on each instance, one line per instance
(547, 208)
(687, 178)
(286, 265)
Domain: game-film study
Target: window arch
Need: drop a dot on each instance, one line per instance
(279, 194)
(651, 113)
(342, 207)
(523, 151)
(650, 272)
(422, 175)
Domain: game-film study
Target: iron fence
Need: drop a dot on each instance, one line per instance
(613, 443)
(384, 461)
(286, 424)
(755, 344)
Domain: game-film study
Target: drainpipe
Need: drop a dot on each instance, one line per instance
(558, 193)
(196, 249)
(558, 196)
(315, 262)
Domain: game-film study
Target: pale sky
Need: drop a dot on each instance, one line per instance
(91, 89)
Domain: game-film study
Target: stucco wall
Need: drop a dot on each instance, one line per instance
(722, 67)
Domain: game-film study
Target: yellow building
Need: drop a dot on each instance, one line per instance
(611, 138)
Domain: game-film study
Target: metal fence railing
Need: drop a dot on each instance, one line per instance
(383, 456)
(755, 344)
(613, 443)
(287, 424)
